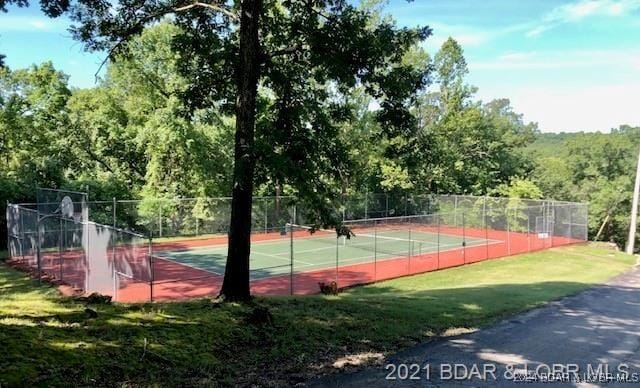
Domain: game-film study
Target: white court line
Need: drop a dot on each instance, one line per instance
(332, 247)
(454, 247)
(125, 275)
(276, 255)
(172, 260)
(459, 236)
(177, 260)
(224, 247)
(286, 255)
(383, 237)
(312, 237)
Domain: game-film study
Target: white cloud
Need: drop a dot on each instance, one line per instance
(577, 11)
(573, 109)
(39, 24)
(471, 39)
(532, 60)
(584, 90)
(466, 36)
(517, 56)
(617, 9)
(24, 23)
(584, 8)
(538, 30)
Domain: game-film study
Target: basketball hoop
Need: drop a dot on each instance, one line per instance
(67, 210)
(66, 207)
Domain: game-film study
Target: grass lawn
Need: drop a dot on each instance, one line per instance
(49, 340)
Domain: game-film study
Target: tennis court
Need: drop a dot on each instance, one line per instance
(317, 251)
(295, 260)
(286, 258)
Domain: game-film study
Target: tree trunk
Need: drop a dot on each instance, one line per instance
(604, 223)
(236, 276)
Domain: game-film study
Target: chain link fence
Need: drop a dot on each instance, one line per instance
(463, 230)
(176, 248)
(85, 256)
(165, 218)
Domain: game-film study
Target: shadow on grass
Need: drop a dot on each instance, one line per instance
(49, 340)
(600, 326)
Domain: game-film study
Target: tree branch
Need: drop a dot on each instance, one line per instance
(136, 169)
(161, 12)
(97, 159)
(312, 8)
(214, 7)
(285, 51)
(106, 58)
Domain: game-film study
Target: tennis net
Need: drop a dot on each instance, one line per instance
(370, 236)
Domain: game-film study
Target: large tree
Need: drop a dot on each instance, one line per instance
(304, 55)
(133, 126)
(32, 118)
(464, 145)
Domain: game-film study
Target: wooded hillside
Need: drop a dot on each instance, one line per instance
(138, 134)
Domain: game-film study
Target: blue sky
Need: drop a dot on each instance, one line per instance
(569, 65)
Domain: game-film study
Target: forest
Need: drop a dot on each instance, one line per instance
(143, 132)
(294, 192)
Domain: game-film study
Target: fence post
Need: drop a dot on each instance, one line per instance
(484, 210)
(570, 208)
(406, 204)
(295, 214)
(552, 215)
(409, 262)
(266, 216)
(337, 259)
(455, 210)
(291, 257)
(60, 235)
(114, 212)
(437, 241)
(506, 212)
(486, 227)
(114, 272)
(85, 212)
(21, 234)
(386, 199)
(529, 231)
(375, 252)
(38, 253)
(87, 251)
(585, 210)
(366, 204)
(38, 238)
(152, 273)
(464, 241)
(6, 214)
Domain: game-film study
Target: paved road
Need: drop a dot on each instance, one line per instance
(598, 326)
